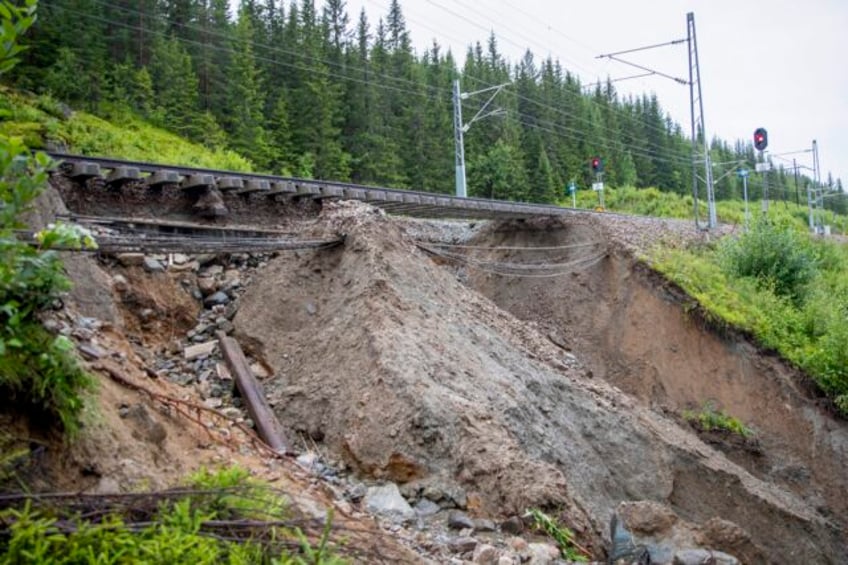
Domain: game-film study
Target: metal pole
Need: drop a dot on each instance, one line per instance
(459, 142)
(765, 186)
(797, 194)
(816, 171)
(745, 196)
(600, 179)
(817, 186)
(810, 207)
(694, 130)
(695, 69)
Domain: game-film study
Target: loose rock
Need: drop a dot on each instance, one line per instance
(459, 520)
(386, 501)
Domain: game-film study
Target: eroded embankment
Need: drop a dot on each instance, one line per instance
(635, 330)
(389, 361)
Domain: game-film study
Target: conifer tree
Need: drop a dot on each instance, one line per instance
(246, 103)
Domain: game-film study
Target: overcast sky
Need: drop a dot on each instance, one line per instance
(778, 64)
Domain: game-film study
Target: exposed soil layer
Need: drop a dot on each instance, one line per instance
(387, 359)
(637, 331)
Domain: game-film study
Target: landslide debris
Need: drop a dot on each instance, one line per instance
(479, 395)
(387, 360)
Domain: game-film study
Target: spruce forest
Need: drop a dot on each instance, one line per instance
(314, 92)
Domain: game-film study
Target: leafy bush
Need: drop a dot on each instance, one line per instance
(35, 537)
(563, 536)
(185, 529)
(775, 255)
(809, 330)
(37, 369)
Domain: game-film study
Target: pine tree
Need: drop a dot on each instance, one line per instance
(315, 101)
(175, 85)
(246, 103)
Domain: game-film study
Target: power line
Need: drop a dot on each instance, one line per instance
(558, 128)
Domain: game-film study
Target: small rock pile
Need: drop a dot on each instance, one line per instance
(194, 359)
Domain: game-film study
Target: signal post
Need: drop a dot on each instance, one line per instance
(598, 186)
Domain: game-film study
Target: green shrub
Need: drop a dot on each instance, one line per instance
(775, 255)
(37, 370)
(562, 535)
(182, 529)
(809, 330)
(36, 537)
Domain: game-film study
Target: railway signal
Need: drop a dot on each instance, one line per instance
(760, 139)
(597, 165)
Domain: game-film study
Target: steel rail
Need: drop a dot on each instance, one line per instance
(434, 204)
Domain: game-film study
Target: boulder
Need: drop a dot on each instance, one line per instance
(219, 298)
(703, 557)
(459, 520)
(387, 502)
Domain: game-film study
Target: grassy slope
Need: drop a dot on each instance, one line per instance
(811, 332)
(653, 202)
(40, 120)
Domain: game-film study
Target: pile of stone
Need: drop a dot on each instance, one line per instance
(216, 282)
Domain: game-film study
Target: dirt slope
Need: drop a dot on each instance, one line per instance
(632, 329)
(387, 359)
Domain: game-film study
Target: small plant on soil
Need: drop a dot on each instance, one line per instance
(563, 536)
(711, 419)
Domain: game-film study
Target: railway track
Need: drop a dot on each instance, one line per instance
(117, 172)
(142, 235)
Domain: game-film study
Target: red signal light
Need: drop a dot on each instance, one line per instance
(597, 165)
(760, 139)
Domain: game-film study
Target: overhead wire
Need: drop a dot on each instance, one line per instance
(257, 45)
(256, 56)
(558, 129)
(508, 40)
(332, 63)
(511, 269)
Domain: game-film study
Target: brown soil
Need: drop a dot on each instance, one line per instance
(501, 392)
(637, 331)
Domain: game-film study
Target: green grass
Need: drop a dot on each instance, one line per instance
(184, 529)
(39, 121)
(709, 419)
(654, 202)
(808, 327)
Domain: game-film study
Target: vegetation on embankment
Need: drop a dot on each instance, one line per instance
(787, 289)
(654, 202)
(223, 517)
(40, 121)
